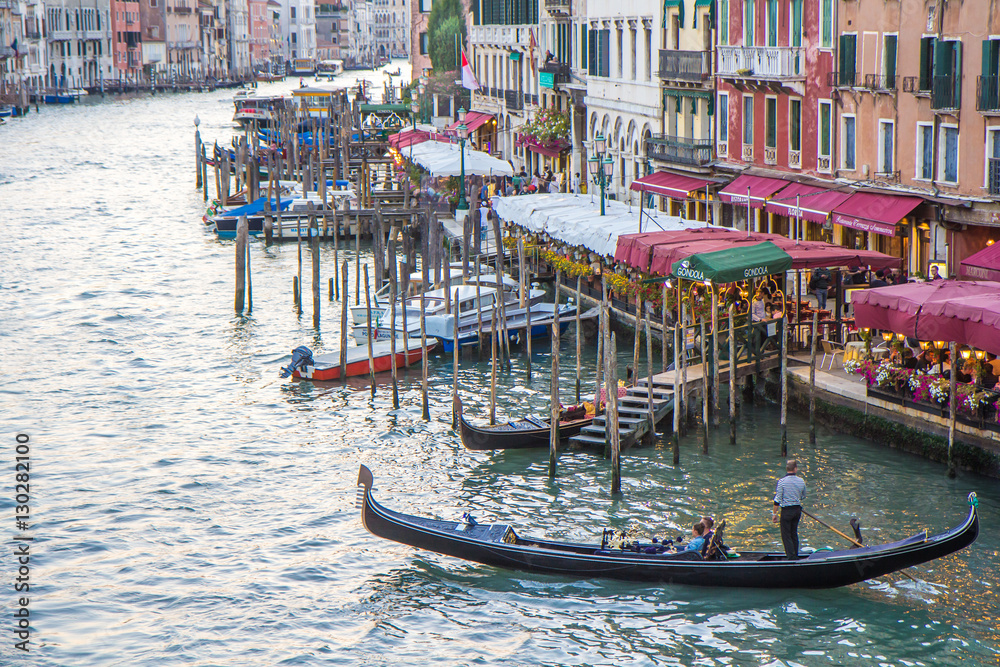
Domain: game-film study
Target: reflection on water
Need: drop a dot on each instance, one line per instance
(191, 508)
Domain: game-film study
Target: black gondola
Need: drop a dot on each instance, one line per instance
(521, 434)
(500, 546)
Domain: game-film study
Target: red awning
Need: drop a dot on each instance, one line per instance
(872, 212)
(554, 149)
(983, 265)
(473, 121)
(636, 250)
(670, 185)
(806, 201)
(758, 187)
(408, 137)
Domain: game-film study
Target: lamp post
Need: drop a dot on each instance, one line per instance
(601, 166)
(463, 134)
(414, 110)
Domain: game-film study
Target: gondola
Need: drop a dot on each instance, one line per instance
(519, 434)
(498, 545)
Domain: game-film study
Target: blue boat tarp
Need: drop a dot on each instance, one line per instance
(254, 207)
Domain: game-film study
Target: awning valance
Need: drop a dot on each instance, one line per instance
(473, 121)
(734, 264)
(806, 202)
(874, 212)
(757, 188)
(670, 185)
(983, 265)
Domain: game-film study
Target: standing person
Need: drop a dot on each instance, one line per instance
(553, 186)
(788, 498)
(575, 183)
(516, 181)
(819, 285)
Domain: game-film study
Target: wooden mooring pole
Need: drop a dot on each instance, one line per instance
(241, 263)
(371, 333)
(783, 323)
(553, 394)
(579, 334)
(392, 328)
(812, 381)
(314, 246)
(423, 357)
(704, 388)
(952, 403)
(343, 323)
(611, 420)
(493, 368)
(732, 378)
(677, 393)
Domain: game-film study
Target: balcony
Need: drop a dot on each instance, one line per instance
(499, 35)
(179, 9)
(988, 93)
(839, 79)
(684, 65)
(557, 7)
(943, 92)
(560, 71)
(917, 85)
(881, 83)
(6, 51)
(771, 63)
(679, 150)
(514, 100)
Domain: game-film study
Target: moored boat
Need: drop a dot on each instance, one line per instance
(325, 367)
(500, 546)
(523, 433)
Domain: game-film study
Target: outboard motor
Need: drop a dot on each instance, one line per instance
(302, 356)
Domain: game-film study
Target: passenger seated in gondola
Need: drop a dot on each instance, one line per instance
(697, 538)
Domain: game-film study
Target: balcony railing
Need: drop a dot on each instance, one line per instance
(684, 65)
(557, 6)
(762, 62)
(679, 150)
(881, 82)
(840, 79)
(499, 35)
(993, 176)
(514, 100)
(988, 93)
(916, 84)
(560, 71)
(6, 51)
(180, 9)
(943, 93)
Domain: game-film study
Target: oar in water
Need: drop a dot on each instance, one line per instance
(847, 537)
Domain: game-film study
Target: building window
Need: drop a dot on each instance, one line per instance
(723, 117)
(723, 22)
(848, 61)
(771, 122)
(925, 151)
(772, 22)
(949, 154)
(649, 54)
(926, 62)
(635, 52)
(889, 61)
(618, 62)
(886, 146)
(850, 161)
(795, 125)
(748, 119)
(795, 38)
(748, 17)
(826, 28)
(992, 180)
(423, 43)
(825, 135)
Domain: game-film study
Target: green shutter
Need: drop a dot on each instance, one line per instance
(890, 61)
(957, 73)
(848, 60)
(826, 38)
(796, 22)
(926, 62)
(748, 22)
(723, 22)
(772, 22)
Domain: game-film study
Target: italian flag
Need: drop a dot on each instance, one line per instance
(468, 78)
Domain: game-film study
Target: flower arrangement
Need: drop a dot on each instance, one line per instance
(569, 268)
(548, 125)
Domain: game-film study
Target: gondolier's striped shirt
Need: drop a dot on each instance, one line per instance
(790, 492)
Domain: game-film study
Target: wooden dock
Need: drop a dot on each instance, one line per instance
(633, 418)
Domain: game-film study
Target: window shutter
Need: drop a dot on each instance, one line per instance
(592, 53)
(890, 61)
(956, 61)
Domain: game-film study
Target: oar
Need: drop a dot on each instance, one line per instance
(847, 537)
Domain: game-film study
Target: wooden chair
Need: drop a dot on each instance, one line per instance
(830, 349)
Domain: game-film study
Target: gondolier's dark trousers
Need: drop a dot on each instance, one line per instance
(790, 530)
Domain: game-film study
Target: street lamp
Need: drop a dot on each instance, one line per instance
(601, 166)
(414, 109)
(463, 134)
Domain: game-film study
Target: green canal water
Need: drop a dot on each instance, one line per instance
(190, 508)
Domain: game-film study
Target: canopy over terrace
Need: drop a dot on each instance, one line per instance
(576, 220)
(734, 264)
(983, 265)
(656, 252)
(967, 312)
(445, 159)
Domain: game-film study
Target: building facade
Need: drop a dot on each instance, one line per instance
(126, 40)
(420, 60)
(78, 38)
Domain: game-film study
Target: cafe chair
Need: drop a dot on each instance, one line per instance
(830, 349)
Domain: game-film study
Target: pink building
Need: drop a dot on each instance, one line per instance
(260, 33)
(126, 39)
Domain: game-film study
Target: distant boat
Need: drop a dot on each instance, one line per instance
(326, 367)
(522, 433)
(6, 110)
(61, 97)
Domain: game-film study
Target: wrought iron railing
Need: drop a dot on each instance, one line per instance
(679, 150)
(684, 65)
(514, 99)
(943, 92)
(988, 93)
(881, 82)
(993, 175)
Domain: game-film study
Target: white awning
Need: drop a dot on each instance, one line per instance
(576, 220)
(444, 159)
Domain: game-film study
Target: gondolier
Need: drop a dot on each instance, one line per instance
(788, 508)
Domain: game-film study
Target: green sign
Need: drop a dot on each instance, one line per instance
(547, 79)
(515, 55)
(734, 264)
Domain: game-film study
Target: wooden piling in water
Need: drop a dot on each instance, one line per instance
(503, 304)
(392, 327)
(479, 311)
(371, 333)
(611, 419)
(579, 335)
(554, 391)
(314, 243)
(714, 406)
(241, 265)
(677, 377)
(357, 259)
(651, 417)
(732, 379)
(493, 368)
(952, 403)
(343, 323)
(663, 324)
(812, 381)
(704, 388)
(784, 385)
(423, 357)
